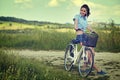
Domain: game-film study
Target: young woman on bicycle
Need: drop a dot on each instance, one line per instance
(80, 25)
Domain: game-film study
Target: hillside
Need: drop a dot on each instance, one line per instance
(33, 22)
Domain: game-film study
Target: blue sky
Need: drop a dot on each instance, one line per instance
(60, 11)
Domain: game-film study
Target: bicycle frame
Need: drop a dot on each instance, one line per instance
(83, 58)
(78, 53)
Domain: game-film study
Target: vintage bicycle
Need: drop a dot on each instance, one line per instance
(84, 58)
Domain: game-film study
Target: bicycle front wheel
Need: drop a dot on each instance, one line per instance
(86, 62)
(68, 57)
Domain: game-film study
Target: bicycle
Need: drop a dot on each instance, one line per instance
(84, 57)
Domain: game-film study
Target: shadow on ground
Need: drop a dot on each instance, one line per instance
(109, 66)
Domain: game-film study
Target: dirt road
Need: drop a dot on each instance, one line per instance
(109, 62)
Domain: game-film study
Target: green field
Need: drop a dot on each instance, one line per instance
(14, 67)
(52, 36)
(44, 37)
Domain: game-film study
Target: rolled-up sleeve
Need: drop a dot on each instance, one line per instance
(76, 17)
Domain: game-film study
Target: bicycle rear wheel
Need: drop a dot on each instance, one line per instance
(68, 57)
(86, 62)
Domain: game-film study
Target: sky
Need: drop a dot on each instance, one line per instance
(60, 11)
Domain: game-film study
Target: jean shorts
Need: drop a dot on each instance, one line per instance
(79, 39)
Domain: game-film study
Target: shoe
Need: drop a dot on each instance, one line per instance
(101, 73)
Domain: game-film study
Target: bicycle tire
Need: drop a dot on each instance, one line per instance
(85, 68)
(68, 64)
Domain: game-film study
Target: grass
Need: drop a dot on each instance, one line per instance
(109, 40)
(14, 26)
(52, 37)
(36, 39)
(14, 67)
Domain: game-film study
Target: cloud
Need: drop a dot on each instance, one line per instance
(78, 2)
(99, 11)
(95, 8)
(107, 10)
(104, 13)
(23, 3)
(55, 3)
(116, 10)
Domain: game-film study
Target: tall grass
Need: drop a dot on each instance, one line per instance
(57, 38)
(109, 38)
(13, 67)
(37, 39)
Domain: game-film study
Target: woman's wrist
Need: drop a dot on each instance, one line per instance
(91, 30)
(76, 28)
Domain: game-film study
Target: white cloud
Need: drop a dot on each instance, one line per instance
(78, 2)
(104, 13)
(116, 10)
(99, 11)
(23, 3)
(54, 3)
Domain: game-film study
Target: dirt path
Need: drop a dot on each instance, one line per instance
(109, 62)
(55, 57)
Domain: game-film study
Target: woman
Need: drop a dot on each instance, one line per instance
(80, 25)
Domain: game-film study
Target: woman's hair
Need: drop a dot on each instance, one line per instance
(87, 8)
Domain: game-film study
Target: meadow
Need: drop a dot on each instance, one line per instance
(52, 37)
(21, 36)
(14, 67)
(49, 65)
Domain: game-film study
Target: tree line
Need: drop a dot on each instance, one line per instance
(19, 20)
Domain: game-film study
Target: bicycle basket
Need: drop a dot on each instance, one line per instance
(91, 39)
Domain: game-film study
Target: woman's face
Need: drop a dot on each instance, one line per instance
(83, 11)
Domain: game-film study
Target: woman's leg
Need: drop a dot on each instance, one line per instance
(94, 66)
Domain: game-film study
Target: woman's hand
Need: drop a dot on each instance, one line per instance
(76, 28)
(90, 29)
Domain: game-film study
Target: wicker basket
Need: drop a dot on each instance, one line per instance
(90, 39)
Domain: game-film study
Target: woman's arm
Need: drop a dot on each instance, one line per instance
(89, 28)
(76, 24)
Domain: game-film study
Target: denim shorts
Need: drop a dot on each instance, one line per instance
(79, 39)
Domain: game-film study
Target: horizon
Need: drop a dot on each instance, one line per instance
(60, 11)
(90, 22)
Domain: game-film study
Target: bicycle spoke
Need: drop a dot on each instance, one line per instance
(68, 60)
(86, 63)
